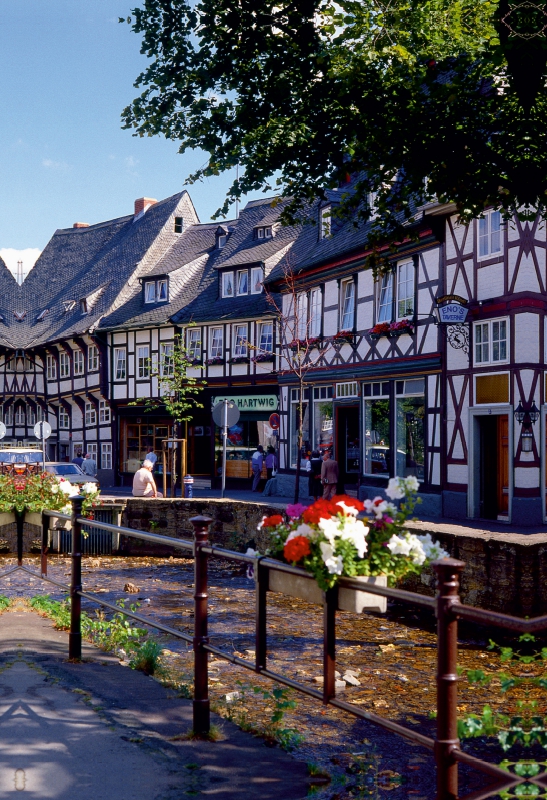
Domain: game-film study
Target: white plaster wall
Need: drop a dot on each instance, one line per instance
(119, 392)
(526, 278)
(527, 477)
(490, 282)
(527, 337)
(457, 473)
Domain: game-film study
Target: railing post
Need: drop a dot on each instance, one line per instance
(75, 634)
(201, 713)
(330, 604)
(448, 572)
(19, 521)
(45, 545)
(262, 577)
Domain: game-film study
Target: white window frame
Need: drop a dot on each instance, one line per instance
(489, 234)
(385, 298)
(120, 363)
(167, 365)
(162, 291)
(64, 419)
(347, 389)
(224, 281)
(150, 291)
(242, 275)
(8, 416)
(301, 321)
(347, 305)
(104, 412)
(143, 361)
(20, 417)
(64, 365)
(51, 368)
(216, 342)
(316, 309)
(257, 279)
(265, 337)
(92, 358)
(240, 340)
(222, 239)
(78, 362)
(193, 344)
(106, 455)
(90, 414)
(490, 347)
(31, 416)
(406, 290)
(91, 448)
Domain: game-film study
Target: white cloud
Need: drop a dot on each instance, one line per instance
(48, 163)
(10, 256)
(130, 164)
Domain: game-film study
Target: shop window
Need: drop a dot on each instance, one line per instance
(315, 313)
(193, 344)
(491, 341)
(323, 428)
(227, 284)
(242, 441)
(240, 340)
(405, 290)
(385, 298)
(377, 429)
(92, 358)
(298, 414)
(136, 438)
(489, 234)
(216, 348)
(64, 365)
(265, 337)
(167, 366)
(120, 363)
(410, 433)
(78, 357)
(243, 281)
(347, 305)
(90, 414)
(143, 361)
(257, 280)
(106, 455)
(104, 412)
(64, 419)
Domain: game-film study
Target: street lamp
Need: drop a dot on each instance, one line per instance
(526, 417)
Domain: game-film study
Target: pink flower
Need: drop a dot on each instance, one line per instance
(295, 510)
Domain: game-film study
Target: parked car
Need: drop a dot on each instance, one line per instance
(70, 472)
(20, 460)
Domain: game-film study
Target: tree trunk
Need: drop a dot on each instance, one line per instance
(299, 440)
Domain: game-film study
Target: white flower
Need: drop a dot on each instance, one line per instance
(354, 531)
(302, 530)
(408, 545)
(378, 507)
(412, 484)
(348, 510)
(334, 564)
(90, 488)
(330, 528)
(68, 488)
(54, 488)
(398, 546)
(433, 550)
(396, 488)
(261, 523)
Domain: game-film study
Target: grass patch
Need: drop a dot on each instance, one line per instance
(215, 735)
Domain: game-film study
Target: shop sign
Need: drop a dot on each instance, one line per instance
(251, 402)
(454, 311)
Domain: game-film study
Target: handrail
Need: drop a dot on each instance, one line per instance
(446, 605)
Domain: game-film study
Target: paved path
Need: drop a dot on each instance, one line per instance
(100, 731)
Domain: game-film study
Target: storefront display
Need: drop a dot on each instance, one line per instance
(136, 439)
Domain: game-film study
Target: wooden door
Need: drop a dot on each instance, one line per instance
(503, 465)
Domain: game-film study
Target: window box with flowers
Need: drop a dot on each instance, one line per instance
(239, 360)
(391, 329)
(329, 542)
(195, 362)
(343, 337)
(214, 361)
(261, 358)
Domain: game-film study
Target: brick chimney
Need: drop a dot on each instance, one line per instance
(81, 225)
(143, 204)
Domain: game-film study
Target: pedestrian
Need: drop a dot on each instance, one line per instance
(271, 462)
(89, 466)
(314, 475)
(78, 459)
(256, 465)
(152, 457)
(329, 475)
(144, 484)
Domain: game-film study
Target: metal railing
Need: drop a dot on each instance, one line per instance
(446, 605)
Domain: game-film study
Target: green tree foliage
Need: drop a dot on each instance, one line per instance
(416, 100)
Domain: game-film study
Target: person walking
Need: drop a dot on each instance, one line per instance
(78, 459)
(89, 467)
(144, 484)
(313, 469)
(256, 465)
(271, 462)
(329, 476)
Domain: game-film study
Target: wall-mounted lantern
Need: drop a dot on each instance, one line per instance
(526, 417)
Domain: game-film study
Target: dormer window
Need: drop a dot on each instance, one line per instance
(83, 306)
(264, 232)
(69, 305)
(156, 291)
(325, 222)
(243, 281)
(221, 236)
(257, 280)
(179, 224)
(227, 282)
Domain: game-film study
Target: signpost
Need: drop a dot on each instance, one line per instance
(225, 414)
(42, 431)
(274, 422)
(2, 430)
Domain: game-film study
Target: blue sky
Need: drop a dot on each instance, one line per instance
(67, 70)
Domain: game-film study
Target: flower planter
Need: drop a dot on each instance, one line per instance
(33, 518)
(6, 518)
(306, 588)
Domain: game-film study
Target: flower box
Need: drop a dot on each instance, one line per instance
(343, 337)
(6, 518)
(305, 587)
(240, 360)
(262, 358)
(215, 361)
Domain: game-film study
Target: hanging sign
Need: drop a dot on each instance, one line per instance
(254, 402)
(452, 309)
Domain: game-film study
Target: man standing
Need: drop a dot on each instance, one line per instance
(256, 465)
(329, 476)
(89, 467)
(144, 484)
(78, 459)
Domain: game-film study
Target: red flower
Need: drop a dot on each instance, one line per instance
(296, 548)
(273, 521)
(321, 509)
